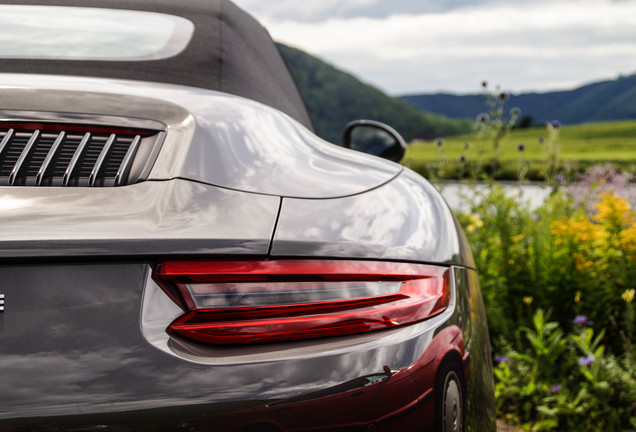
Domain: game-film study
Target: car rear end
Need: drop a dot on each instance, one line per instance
(138, 296)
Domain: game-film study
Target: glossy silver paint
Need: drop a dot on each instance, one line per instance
(165, 217)
(405, 219)
(386, 212)
(218, 139)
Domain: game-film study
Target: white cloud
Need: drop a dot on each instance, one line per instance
(535, 45)
(302, 10)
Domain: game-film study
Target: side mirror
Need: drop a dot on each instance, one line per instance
(374, 138)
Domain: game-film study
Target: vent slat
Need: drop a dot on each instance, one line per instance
(37, 156)
(49, 158)
(66, 152)
(75, 158)
(23, 156)
(100, 160)
(11, 153)
(6, 139)
(126, 164)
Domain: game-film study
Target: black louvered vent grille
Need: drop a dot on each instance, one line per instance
(74, 155)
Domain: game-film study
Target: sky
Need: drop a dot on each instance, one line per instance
(426, 46)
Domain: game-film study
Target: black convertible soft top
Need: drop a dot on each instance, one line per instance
(229, 52)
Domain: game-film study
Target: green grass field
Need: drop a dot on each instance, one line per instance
(578, 147)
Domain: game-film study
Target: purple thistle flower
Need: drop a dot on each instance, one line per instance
(554, 389)
(501, 359)
(483, 118)
(556, 124)
(601, 179)
(580, 320)
(586, 361)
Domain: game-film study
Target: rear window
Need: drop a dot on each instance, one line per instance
(80, 33)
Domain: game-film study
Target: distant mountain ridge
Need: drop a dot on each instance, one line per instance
(334, 98)
(600, 101)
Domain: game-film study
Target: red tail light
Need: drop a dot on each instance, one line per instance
(233, 302)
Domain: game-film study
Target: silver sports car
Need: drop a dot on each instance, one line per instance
(179, 250)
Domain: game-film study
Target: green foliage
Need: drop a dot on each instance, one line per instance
(566, 384)
(546, 340)
(334, 98)
(571, 368)
(582, 259)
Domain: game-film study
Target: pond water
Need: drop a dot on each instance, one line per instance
(458, 194)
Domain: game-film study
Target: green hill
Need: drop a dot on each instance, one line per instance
(334, 98)
(601, 101)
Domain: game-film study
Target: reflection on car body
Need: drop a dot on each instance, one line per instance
(181, 252)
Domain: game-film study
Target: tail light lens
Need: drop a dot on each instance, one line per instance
(235, 302)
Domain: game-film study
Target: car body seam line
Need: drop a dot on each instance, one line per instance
(271, 240)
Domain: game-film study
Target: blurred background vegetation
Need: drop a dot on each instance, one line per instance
(558, 284)
(580, 146)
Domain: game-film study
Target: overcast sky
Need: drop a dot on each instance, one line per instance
(412, 46)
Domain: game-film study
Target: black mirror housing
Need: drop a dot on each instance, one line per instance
(374, 138)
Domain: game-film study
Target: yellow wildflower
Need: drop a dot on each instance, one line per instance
(474, 222)
(628, 295)
(613, 210)
(579, 228)
(582, 263)
(628, 238)
(577, 297)
(528, 300)
(560, 228)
